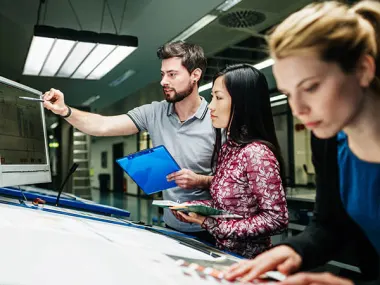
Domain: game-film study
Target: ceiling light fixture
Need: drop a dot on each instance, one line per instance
(279, 103)
(205, 87)
(260, 65)
(122, 78)
(61, 52)
(90, 100)
(207, 19)
(54, 125)
(277, 97)
(264, 64)
(228, 4)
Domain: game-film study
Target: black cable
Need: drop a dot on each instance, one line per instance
(75, 14)
(101, 22)
(71, 171)
(39, 11)
(46, 6)
(22, 192)
(122, 16)
(113, 20)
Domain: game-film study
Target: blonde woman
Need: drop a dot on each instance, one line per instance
(327, 63)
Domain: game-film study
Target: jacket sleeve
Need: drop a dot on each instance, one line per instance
(324, 236)
(265, 191)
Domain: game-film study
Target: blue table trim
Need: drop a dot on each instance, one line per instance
(79, 215)
(70, 202)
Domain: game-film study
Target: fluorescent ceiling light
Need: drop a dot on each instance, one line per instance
(228, 4)
(69, 53)
(264, 64)
(58, 53)
(79, 134)
(90, 100)
(195, 28)
(54, 125)
(38, 51)
(205, 87)
(111, 61)
(97, 55)
(122, 78)
(76, 57)
(277, 97)
(278, 103)
(260, 65)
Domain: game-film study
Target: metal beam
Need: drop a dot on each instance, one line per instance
(213, 67)
(249, 49)
(233, 59)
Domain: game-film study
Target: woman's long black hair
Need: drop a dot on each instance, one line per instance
(251, 116)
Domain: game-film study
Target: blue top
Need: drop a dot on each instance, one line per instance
(360, 190)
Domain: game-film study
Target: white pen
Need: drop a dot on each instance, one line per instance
(32, 99)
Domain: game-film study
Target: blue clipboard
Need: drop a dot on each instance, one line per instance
(148, 168)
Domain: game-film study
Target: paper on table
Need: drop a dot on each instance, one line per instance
(84, 251)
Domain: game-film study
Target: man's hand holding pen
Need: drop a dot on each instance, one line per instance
(55, 102)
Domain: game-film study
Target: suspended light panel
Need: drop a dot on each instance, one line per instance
(67, 53)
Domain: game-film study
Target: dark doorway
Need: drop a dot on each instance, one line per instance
(118, 173)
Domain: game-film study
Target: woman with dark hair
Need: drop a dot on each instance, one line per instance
(248, 168)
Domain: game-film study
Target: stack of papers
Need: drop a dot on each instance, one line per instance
(199, 209)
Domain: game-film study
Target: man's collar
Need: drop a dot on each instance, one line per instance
(199, 114)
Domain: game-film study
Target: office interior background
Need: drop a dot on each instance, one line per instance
(230, 31)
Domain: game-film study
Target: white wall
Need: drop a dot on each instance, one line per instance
(100, 144)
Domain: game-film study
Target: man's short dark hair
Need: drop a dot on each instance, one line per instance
(192, 55)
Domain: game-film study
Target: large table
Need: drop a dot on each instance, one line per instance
(56, 245)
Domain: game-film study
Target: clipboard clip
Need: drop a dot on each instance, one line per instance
(142, 152)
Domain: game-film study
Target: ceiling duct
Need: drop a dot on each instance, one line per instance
(242, 19)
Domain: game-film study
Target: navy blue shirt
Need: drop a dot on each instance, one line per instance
(360, 190)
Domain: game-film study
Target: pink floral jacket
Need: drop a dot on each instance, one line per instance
(247, 182)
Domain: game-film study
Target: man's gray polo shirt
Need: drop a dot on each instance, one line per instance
(190, 143)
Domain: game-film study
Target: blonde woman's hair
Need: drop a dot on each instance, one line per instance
(336, 32)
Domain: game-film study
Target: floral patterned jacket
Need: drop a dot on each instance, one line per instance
(247, 182)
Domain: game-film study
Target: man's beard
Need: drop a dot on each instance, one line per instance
(181, 95)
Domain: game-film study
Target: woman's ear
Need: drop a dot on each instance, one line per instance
(366, 70)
